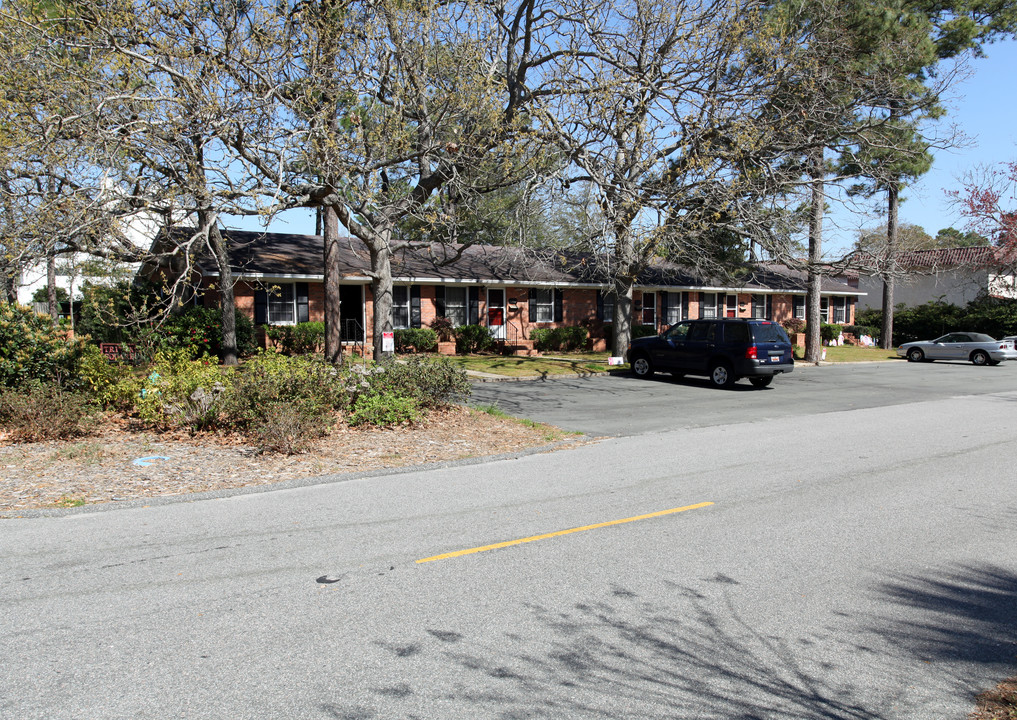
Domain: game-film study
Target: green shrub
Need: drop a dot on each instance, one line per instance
(472, 339)
(639, 331)
(431, 382)
(829, 331)
(113, 385)
(416, 340)
(170, 393)
(926, 322)
(113, 313)
(870, 317)
(562, 339)
(38, 412)
(33, 348)
(384, 409)
(42, 295)
(992, 316)
(541, 338)
(290, 427)
(306, 338)
(200, 330)
(270, 378)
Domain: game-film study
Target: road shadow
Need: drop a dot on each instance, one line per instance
(965, 614)
(622, 657)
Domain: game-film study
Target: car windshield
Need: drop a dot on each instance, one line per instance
(769, 332)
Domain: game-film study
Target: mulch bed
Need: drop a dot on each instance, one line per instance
(119, 463)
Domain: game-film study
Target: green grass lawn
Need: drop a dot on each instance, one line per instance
(852, 353)
(519, 366)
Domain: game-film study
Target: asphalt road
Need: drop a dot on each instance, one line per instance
(856, 561)
(624, 405)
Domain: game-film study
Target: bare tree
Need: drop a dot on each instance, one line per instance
(388, 103)
(652, 105)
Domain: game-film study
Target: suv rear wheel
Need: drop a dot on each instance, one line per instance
(721, 375)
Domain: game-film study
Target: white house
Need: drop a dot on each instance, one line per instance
(953, 275)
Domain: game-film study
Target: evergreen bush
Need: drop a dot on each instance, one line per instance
(33, 348)
(306, 338)
(416, 340)
(472, 339)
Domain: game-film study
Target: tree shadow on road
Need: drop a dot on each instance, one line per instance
(621, 657)
(965, 615)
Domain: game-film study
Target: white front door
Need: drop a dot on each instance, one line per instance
(496, 313)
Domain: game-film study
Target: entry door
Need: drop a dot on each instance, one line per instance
(496, 313)
(351, 313)
(731, 306)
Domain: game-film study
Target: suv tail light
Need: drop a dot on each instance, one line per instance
(752, 353)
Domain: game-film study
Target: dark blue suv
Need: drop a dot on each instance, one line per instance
(724, 350)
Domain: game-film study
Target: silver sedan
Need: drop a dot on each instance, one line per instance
(979, 348)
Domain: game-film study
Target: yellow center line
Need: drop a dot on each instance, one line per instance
(545, 536)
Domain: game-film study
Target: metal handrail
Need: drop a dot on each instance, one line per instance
(353, 334)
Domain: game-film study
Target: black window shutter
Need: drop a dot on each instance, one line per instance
(439, 301)
(665, 304)
(303, 314)
(414, 306)
(533, 305)
(600, 305)
(474, 310)
(260, 307)
(559, 305)
(685, 306)
(769, 307)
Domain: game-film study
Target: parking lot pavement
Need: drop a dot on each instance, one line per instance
(621, 405)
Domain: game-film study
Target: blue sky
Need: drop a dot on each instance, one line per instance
(983, 105)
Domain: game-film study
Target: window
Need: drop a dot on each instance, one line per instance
(702, 331)
(282, 308)
(737, 333)
(798, 310)
(455, 305)
(671, 307)
(708, 305)
(824, 310)
(678, 332)
(281, 303)
(400, 306)
(543, 303)
(649, 314)
(605, 306)
(762, 307)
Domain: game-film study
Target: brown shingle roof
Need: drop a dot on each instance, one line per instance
(262, 254)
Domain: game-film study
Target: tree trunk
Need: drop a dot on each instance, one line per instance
(621, 327)
(624, 279)
(381, 287)
(51, 288)
(813, 297)
(890, 271)
(227, 303)
(333, 315)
